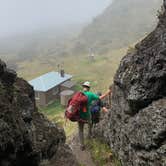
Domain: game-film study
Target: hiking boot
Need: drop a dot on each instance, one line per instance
(82, 147)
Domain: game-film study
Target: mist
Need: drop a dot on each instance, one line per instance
(21, 16)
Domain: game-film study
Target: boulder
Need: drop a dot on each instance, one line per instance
(27, 138)
(135, 127)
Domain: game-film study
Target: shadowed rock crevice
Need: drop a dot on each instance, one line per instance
(136, 125)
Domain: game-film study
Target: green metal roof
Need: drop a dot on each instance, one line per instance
(48, 81)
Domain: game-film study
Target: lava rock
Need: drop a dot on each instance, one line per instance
(8, 77)
(136, 126)
(26, 136)
(2, 67)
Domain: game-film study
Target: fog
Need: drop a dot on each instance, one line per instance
(21, 16)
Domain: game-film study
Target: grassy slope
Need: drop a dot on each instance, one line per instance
(121, 24)
(100, 72)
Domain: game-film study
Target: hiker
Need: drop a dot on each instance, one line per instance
(85, 116)
(95, 109)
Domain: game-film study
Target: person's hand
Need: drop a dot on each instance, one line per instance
(106, 94)
(109, 92)
(105, 109)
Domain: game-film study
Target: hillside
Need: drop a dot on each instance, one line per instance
(122, 23)
(50, 48)
(50, 41)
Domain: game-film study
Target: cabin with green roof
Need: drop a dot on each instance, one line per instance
(48, 87)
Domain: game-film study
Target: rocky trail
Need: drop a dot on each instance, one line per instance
(83, 157)
(92, 145)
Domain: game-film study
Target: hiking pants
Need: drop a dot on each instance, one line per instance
(81, 131)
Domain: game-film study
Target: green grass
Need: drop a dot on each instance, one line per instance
(55, 113)
(52, 109)
(101, 153)
(100, 72)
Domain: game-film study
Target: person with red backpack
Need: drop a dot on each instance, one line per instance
(85, 116)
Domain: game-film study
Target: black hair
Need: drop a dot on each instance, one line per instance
(99, 93)
(84, 86)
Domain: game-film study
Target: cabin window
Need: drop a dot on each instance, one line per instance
(55, 91)
(37, 95)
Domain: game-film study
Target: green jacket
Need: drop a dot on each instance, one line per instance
(91, 97)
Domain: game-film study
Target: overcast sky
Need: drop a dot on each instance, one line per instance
(28, 15)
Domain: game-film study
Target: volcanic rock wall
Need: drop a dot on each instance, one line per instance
(27, 138)
(136, 125)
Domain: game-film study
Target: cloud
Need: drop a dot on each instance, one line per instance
(24, 15)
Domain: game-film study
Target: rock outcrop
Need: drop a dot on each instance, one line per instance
(136, 125)
(27, 138)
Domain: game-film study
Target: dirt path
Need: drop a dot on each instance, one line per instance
(84, 157)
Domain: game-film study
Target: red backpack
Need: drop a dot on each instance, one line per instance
(75, 104)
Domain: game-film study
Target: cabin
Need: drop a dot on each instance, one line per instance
(48, 87)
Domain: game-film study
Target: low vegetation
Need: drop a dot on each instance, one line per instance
(101, 153)
(100, 72)
(55, 113)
